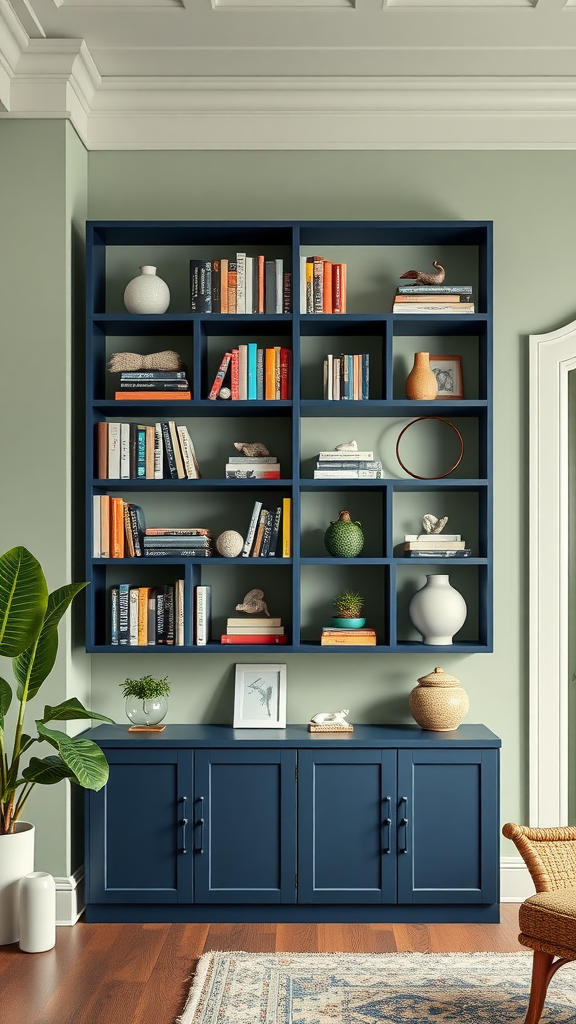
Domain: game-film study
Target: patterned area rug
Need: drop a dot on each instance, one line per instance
(365, 988)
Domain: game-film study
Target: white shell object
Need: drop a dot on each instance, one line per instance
(433, 525)
(347, 446)
(229, 543)
(330, 716)
(437, 610)
(147, 293)
(225, 393)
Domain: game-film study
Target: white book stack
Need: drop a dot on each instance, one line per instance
(347, 465)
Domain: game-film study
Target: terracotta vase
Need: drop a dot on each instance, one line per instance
(438, 702)
(421, 383)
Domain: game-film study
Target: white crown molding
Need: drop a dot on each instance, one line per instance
(13, 40)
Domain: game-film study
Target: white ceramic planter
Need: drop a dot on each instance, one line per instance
(37, 912)
(16, 860)
(147, 293)
(437, 610)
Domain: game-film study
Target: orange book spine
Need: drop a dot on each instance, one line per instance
(270, 374)
(150, 440)
(168, 396)
(261, 262)
(102, 450)
(232, 285)
(116, 528)
(286, 527)
(357, 378)
(327, 292)
(223, 286)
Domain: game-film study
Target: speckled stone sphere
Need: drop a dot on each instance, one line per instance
(229, 543)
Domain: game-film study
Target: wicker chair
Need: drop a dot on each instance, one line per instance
(548, 919)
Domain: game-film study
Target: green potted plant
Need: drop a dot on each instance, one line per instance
(349, 604)
(146, 703)
(29, 618)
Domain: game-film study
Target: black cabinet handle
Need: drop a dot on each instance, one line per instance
(386, 826)
(404, 822)
(183, 823)
(200, 825)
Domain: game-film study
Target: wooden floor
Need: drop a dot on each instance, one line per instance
(139, 974)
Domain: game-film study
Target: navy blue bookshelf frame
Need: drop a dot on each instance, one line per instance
(197, 329)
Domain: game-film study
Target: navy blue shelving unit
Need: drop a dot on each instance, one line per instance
(115, 249)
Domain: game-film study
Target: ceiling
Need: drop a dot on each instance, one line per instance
(325, 74)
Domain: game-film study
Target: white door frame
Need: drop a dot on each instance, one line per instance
(552, 356)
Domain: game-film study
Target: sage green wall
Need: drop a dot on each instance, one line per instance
(572, 597)
(526, 194)
(43, 181)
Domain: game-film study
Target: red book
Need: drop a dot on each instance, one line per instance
(261, 262)
(234, 376)
(252, 638)
(219, 378)
(337, 288)
(116, 528)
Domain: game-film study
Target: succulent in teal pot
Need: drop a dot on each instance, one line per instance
(344, 538)
(349, 606)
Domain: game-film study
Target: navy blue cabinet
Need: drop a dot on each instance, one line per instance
(207, 823)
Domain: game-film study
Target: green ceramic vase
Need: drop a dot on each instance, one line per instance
(344, 538)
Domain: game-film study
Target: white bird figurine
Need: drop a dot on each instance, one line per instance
(422, 278)
(253, 603)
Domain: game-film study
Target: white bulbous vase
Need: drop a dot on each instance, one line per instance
(147, 293)
(437, 611)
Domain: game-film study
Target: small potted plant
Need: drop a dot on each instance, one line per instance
(349, 605)
(146, 703)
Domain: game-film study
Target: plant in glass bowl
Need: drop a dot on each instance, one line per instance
(349, 604)
(146, 703)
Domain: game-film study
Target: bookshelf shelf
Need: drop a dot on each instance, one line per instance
(298, 588)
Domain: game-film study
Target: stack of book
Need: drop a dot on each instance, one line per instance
(435, 545)
(269, 531)
(342, 637)
(255, 374)
(253, 631)
(322, 285)
(335, 465)
(433, 298)
(177, 542)
(252, 467)
(242, 284)
(154, 384)
(146, 616)
(347, 377)
(132, 451)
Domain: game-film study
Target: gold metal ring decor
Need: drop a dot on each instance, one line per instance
(439, 476)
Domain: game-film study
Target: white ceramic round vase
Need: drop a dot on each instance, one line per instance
(147, 293)
(16, 860)
(437, 611)
(37, 912)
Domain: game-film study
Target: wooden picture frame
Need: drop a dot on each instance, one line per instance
(448, 373)
(260, 697)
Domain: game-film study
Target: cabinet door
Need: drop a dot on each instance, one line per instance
(138, 844)
(448, 830)
(245, 826)
(346, 828)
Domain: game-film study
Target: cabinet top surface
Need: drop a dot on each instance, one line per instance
(294, 736)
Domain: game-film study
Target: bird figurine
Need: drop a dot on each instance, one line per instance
(253, 603)
(422, 278)
(433, 525)
(250, 449)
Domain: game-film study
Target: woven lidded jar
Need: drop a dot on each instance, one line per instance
(438, 703)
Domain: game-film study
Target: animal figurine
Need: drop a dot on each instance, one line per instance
(347, 446)
(251, 448)
(330, 716)
(433, 525)
(422, 278)
(253, 603)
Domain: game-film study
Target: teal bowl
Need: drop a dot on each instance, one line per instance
(348, 623)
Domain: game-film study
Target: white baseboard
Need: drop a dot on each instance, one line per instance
(515, 882)
(69, 898)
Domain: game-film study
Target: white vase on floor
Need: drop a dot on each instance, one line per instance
(16, 860)
(437, 610)
(147, 293)
(37, 912)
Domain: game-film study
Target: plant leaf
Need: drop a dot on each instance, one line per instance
(5, 699)
(85, 759)
(71, 709)
(23, 600)
(39, 660)
(46, 771)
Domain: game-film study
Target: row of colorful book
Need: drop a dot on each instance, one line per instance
(132, 451)
(347, 465)
(120, 531)
(269, 533)
(347, 377)
(322, 285)
(152, 385)
(433, 298)
(244, 284)
(435, 545)
(155, 615)
(249, 372)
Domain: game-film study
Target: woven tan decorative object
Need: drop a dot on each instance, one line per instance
(123, 362)
(330, 727)
(438, 703)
